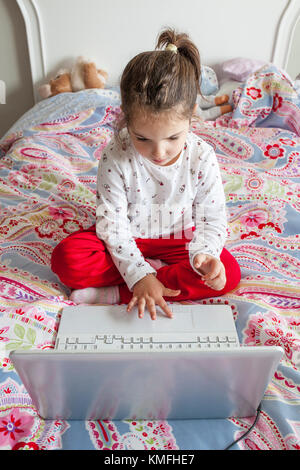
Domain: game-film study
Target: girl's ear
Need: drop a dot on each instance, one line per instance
(194, 114)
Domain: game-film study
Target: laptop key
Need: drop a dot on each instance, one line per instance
(203, 339)
(146, 339)
(126, 340)
(71, 340)
(223, 339)
(213, 339)
(136, 340)
(232, 339)
(86, 340)
(174, 338)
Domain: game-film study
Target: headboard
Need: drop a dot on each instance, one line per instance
(112, 31)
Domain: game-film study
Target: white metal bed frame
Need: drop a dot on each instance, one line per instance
(111, 32)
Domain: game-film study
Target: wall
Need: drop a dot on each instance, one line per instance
(14, 65)
(293, 66)
(15, 71)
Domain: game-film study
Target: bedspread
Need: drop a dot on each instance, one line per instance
(48, 171)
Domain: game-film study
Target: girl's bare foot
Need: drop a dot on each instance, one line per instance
(222, 99)
(226, 108)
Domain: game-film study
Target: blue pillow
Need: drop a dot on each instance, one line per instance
(209, 83)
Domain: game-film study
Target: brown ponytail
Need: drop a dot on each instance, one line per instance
(185, 48)
(162, 79)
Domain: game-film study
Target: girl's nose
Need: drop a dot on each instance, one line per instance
(158, 151)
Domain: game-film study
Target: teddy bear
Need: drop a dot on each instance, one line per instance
(83, 75)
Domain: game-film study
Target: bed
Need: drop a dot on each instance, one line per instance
(48, 165)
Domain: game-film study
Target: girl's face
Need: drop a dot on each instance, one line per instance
(159, 138)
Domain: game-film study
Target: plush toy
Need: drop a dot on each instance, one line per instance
(210, 105)
(83, 75)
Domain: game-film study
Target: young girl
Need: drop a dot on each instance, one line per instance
(161, 218)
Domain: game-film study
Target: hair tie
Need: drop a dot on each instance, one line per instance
(172, 48)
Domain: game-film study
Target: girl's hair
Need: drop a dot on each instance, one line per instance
(159, 80)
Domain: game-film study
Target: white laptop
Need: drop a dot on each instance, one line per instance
(110, 364)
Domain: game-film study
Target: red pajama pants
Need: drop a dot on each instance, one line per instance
(82, 260)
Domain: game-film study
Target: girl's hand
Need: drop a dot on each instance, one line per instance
(149, 291)
(212, 270)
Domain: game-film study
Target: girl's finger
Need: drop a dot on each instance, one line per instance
(198, 260)
(170, 292)
(152, 309)
(131, 303)
(216, 270)
(141, 307)
(214, 273)
(164, 306)
(220, 271)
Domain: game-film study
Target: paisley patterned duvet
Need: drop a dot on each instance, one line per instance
(48, 170)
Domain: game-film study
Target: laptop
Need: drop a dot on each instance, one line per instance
(110, 364)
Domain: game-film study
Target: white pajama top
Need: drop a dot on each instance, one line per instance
(138, 199)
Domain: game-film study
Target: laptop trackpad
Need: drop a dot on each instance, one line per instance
(115, 319)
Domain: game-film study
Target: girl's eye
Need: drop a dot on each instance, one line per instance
(143, 139)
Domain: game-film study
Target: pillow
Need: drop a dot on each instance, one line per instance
(240, 68)
(209, 83)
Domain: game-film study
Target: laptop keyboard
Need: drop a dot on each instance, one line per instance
(137, 343)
